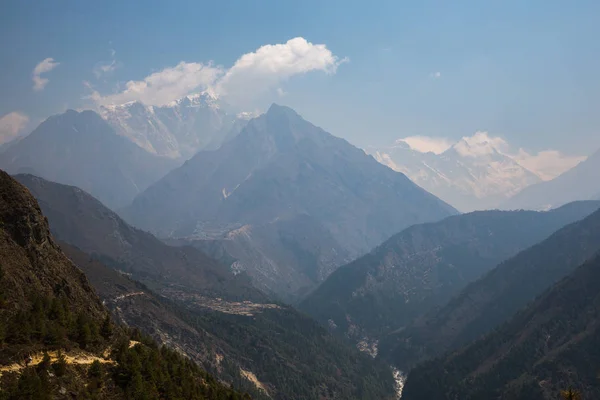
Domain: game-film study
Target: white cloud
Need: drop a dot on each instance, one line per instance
(257, 72)
(44, 66)
(436, 75)
(164, 86)
(426, 144)
(547, 164)
(11, 125)
(106, 68)
(251, 76)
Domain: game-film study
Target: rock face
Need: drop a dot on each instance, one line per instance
(177, 130)
(82, 149)
(425, 265)
(32, 262)
(279, 168)
(546, 348)
(473, 174)
(494, 298)
(578, 183)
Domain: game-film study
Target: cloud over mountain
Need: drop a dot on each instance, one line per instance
(547, 164)
(11, 125)
(251, 75)
(426, 144)
(270, 65)
(476, 172)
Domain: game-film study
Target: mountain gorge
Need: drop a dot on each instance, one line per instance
(425, 265)
(177, 130)
(80, 148)
(190, 302)
(278, 170)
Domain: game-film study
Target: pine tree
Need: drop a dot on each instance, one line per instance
(45, 363)
(95, 370)
(60, 366)
(106, 329)
(84, 333)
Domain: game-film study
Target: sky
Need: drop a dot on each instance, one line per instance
(370, 72)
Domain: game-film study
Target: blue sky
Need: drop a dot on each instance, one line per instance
(523, 70)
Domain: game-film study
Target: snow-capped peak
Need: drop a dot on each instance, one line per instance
(205, 98)
(480, 144)
(178, 129)
(476, 172)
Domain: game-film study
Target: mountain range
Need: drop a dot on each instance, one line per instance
(472, 174)
(275, 209)
(423, 266)
(188, 301)
(177, 130)
(278, 173)
(80, 148)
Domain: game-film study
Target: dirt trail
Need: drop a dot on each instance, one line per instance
(77, 358)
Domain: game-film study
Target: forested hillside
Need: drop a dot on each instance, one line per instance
(425, 265)
(56, 338)
(550, 346)
(491, 300)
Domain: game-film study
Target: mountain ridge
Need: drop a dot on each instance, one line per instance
(423, 266)
(176, 130)
(492, 299)
(80, 148)
(281, 166)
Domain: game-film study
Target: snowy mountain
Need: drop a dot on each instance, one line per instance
(176, 130)
(475, 173)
